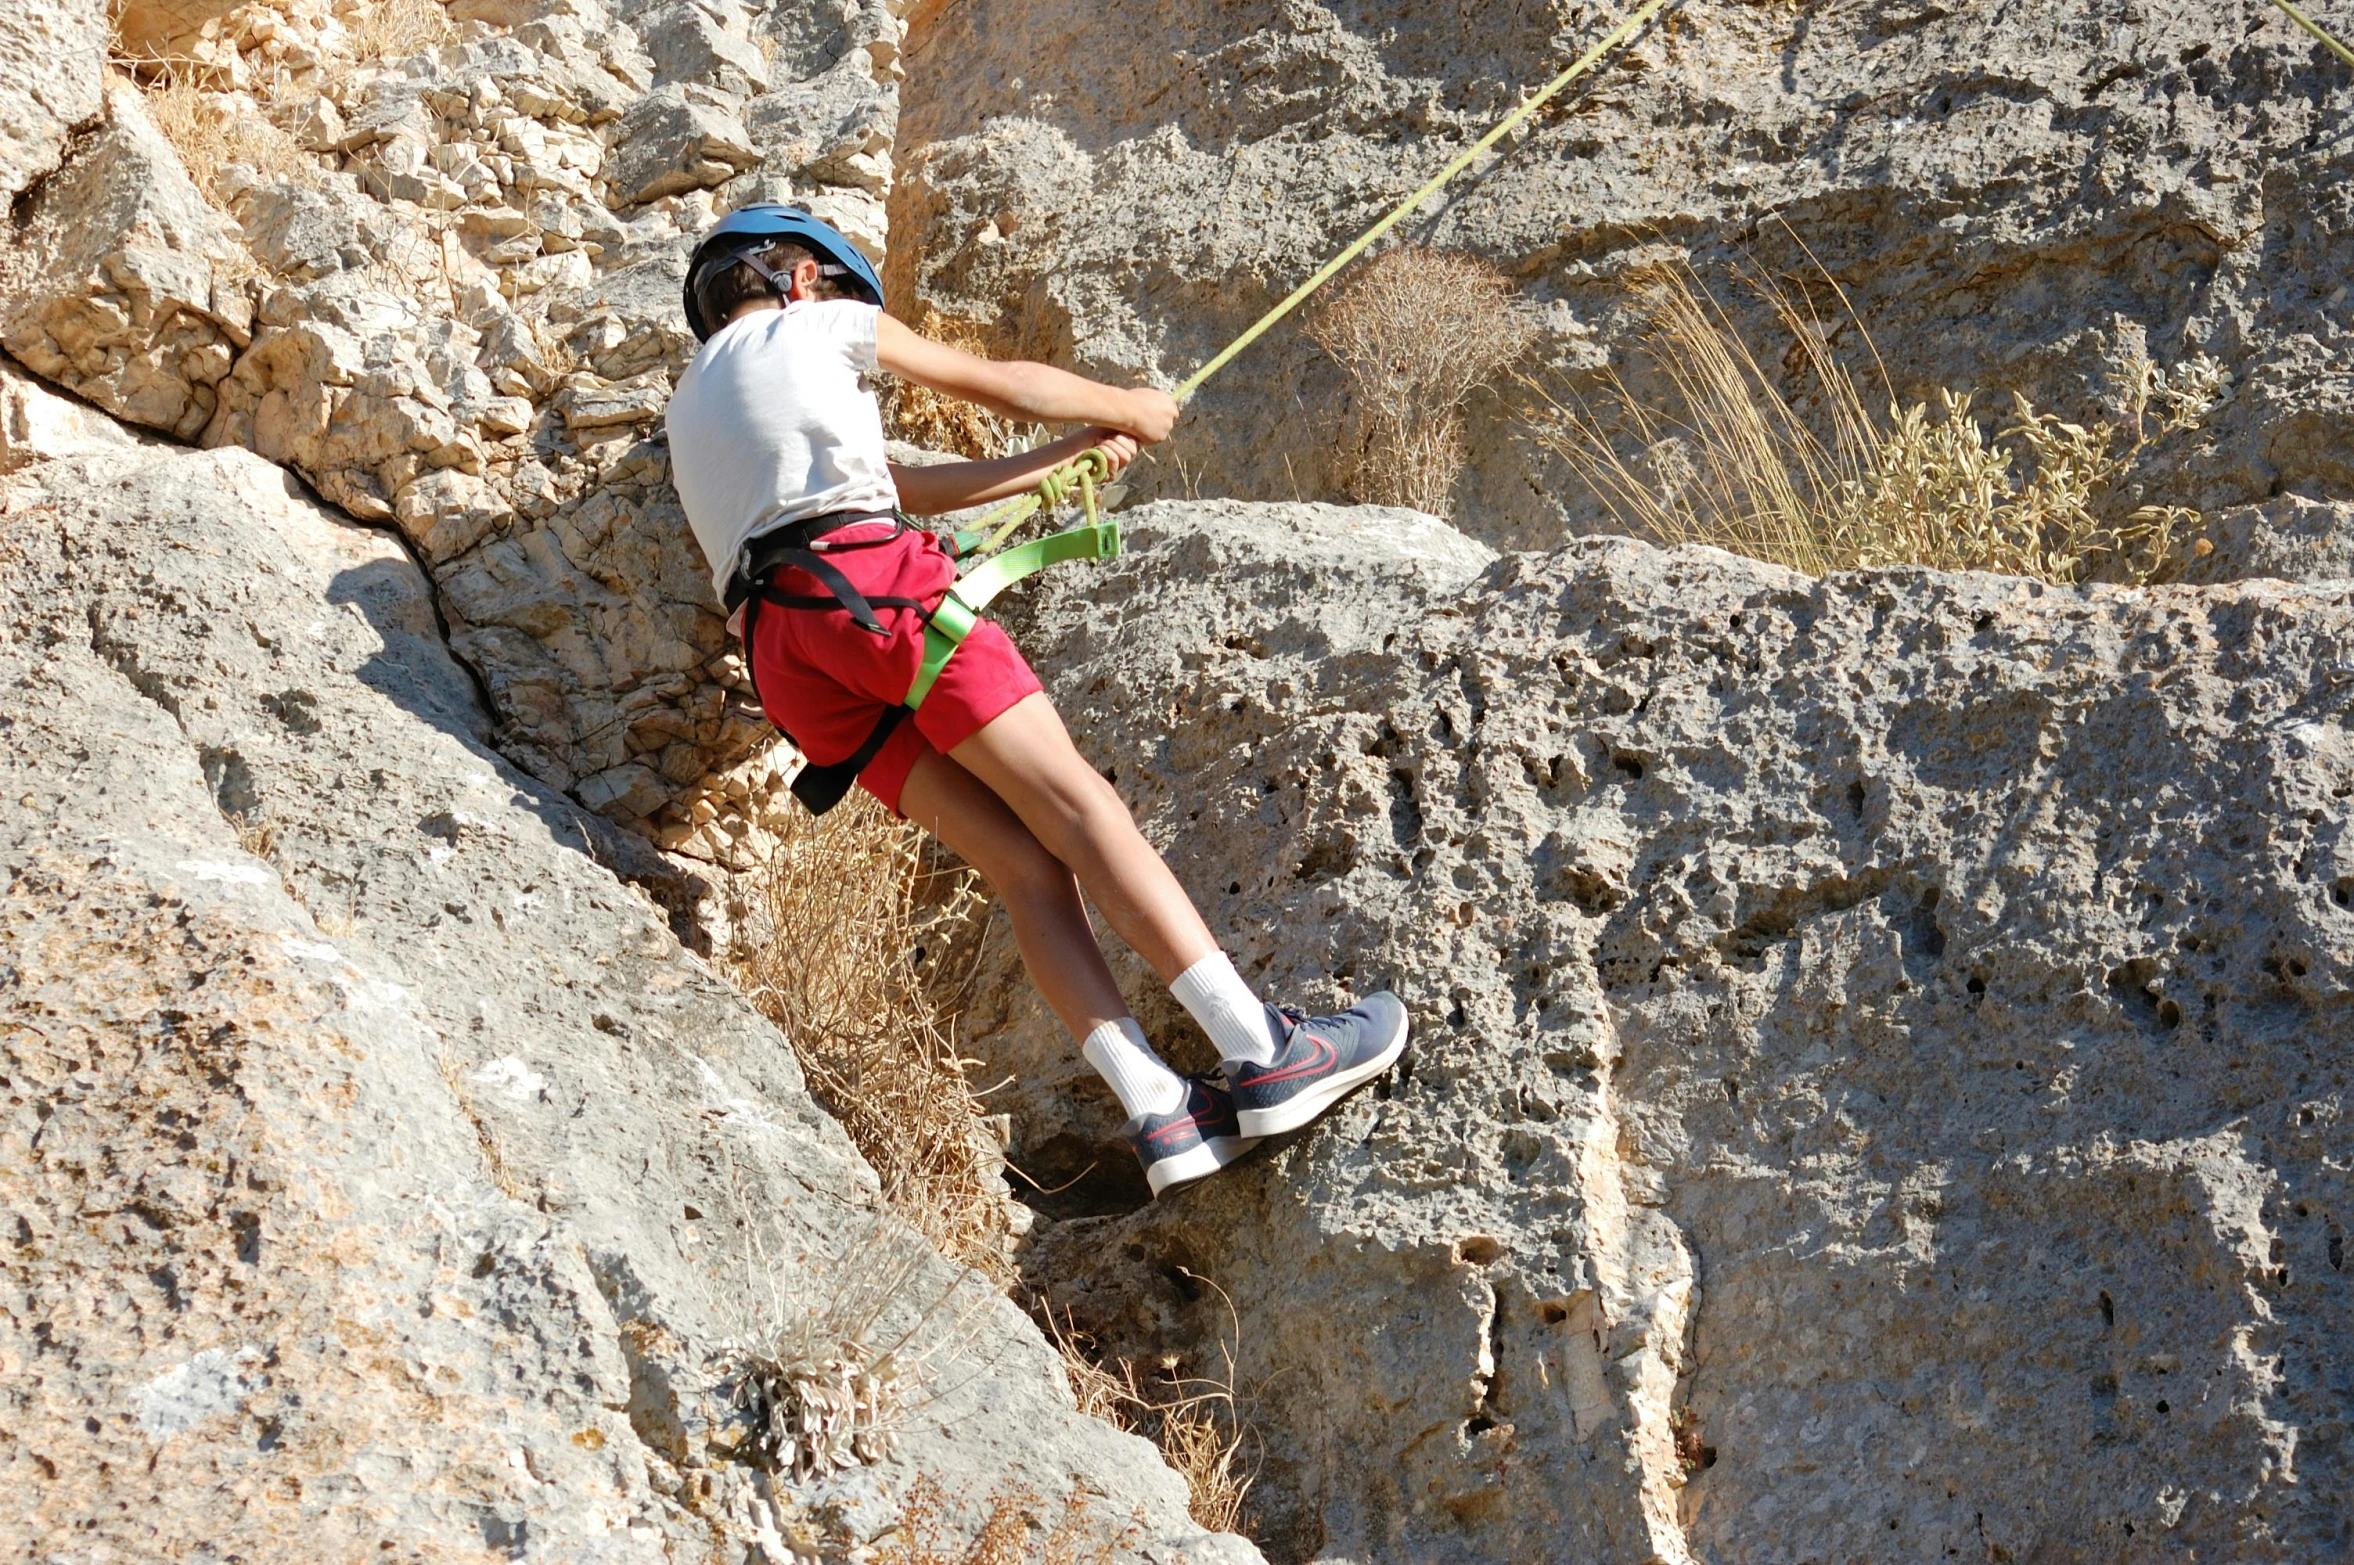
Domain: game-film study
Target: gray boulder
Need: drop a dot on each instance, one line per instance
(810, 39)
(159, 29)
(36, 424)
(380, 1166)
(835, 129)
(687, 44)
(125, 287)
(1881, 1046)
(52, 84)
(305, 230)
(675, 139)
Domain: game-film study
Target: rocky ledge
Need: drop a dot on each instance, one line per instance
(1882, 1045)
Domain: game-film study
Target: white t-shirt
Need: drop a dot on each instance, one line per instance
(774, 422)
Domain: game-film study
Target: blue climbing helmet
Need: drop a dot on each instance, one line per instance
(738, 235)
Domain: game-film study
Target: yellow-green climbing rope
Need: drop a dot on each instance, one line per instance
(2317, 30)
(999, 524)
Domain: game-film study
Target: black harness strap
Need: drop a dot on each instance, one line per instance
(845, 595)
(819, 788)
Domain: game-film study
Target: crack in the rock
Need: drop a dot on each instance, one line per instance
(1491, 1358)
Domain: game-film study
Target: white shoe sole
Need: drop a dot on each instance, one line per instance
(1311, 1105)
(1200, 1163)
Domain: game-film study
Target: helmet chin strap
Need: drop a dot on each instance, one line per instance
(779, 283)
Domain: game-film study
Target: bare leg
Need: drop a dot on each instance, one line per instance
(1050, 922)
(1026, 758)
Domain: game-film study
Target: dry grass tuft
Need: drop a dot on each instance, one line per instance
(1737, 466)
(850, 910)
(819, 1403)
(1418, 331)
(924, 417)
(1195, 1420)
(394, 29)
(1017, 1531)
(212, 130)
(822, 1390)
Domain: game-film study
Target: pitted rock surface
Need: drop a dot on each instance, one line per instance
(1881, 1059)
(2010, 198)
(384, 1179)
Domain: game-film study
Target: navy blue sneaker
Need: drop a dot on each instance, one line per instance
(1195, 1141)
(1324, 1058)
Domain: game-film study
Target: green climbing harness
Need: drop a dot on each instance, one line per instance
(999, 568)
(996, 568)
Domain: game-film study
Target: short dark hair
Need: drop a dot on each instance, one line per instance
(729, 288)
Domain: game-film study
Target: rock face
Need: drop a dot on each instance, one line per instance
(131, 289)
(1877, 1038)
(52, 79)
(442, 286)
(2292, 538)
(382, 1174)
(37, 425)
(2011, 200)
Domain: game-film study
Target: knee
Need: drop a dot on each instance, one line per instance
(1025, 873)
(1095, 814)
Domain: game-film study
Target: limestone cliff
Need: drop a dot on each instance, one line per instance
(1882, 1040)
(383, 1179)
(2010, 199)
(1882, 1056)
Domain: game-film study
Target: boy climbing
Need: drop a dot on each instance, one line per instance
(777, 449)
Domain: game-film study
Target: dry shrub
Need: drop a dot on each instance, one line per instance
(821, 1386)
(924, 417)
(1736, 465)
(1196, 1420)
(1418, 331)
(821, 1392)
(1017, 1531)
(394, 29)
(212, 130)
(850, 906)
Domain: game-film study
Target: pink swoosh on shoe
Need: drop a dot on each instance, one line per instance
(1326, 1057)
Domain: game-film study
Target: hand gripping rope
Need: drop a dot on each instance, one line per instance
(996, 568)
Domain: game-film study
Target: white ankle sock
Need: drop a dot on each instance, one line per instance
(1234, 1017)
(1140, 1078)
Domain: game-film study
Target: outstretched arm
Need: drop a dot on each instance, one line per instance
(1019, 389)
(951, 486)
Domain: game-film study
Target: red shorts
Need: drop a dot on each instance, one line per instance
(827, 682)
